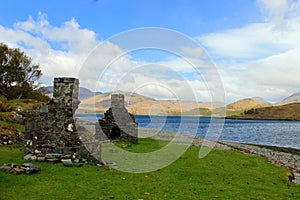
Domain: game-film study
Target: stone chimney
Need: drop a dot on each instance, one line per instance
(117, 101)
(66, 93)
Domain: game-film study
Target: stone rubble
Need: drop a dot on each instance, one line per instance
(27, 168)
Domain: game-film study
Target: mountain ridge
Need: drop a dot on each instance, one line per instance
(246, 104)
(294, 98)
(138, 104)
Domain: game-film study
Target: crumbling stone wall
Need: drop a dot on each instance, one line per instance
(52, 131)
(117, 123)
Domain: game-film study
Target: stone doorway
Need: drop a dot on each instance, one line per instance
(115, 133)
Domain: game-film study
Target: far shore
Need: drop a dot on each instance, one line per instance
(226, 117)
(267, 119)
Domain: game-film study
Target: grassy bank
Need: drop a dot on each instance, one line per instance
(283, 112)
(13, 114)
(222, 175)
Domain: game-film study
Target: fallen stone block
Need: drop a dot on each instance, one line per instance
(17, 170)
(67, 162)
(53, 156)
(28, 156)
(30, 168)
(40, 158)
(6, 167)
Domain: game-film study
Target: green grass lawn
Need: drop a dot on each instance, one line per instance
(220, 175)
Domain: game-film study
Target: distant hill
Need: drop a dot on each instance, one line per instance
(246, 104)
(294, 98)
(139, 104)
(261, 100)
(83, 93)
(198, 112)
(282, 112)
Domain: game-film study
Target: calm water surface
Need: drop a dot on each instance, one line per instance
(266, 132)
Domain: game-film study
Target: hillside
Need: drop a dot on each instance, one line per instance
(139, 104)
(283, 112)
(246, 104)
(294, 98)
(13, 114)
(259, 99)
(197, 112)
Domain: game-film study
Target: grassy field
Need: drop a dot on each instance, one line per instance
(220, 175)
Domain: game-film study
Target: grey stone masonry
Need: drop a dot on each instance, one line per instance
(65, 94)
(53, 130)
(117, 123)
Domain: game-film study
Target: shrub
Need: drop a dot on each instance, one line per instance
(3, 107)
(251, 111)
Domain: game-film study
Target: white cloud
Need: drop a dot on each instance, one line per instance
(260, 59)
(58, 50)
(69, 36)
(253, 41)
(274, 10)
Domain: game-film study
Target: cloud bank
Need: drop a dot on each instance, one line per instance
(258, 59)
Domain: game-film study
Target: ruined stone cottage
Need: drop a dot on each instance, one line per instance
(117, 123)
(52, 130)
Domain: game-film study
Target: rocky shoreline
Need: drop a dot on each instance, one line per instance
(287, 159)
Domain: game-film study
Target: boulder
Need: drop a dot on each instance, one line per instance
(16, 118)
(53, 156)
(30, 168)
(28, 156)
(67, 162)
(6, 168)
(17, 170)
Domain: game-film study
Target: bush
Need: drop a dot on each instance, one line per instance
(3, 107)
(251, 111)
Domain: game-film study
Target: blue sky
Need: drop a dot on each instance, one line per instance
(254, 44)
(107, 17)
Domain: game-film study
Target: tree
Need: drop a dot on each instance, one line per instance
(17, 74)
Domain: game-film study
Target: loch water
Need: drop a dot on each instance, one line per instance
(265, 132)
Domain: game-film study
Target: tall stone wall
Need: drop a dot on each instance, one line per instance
(53, 130)
(117, 123)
